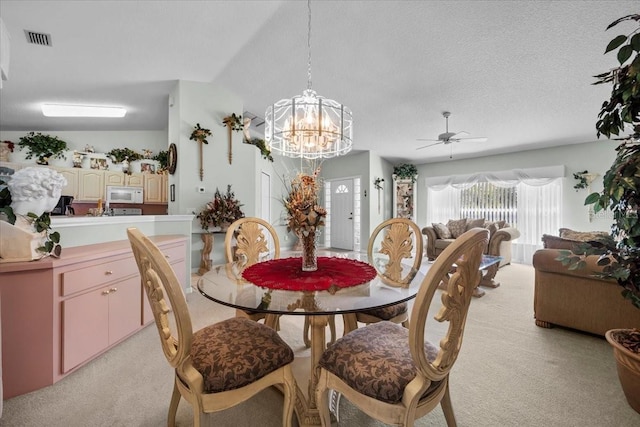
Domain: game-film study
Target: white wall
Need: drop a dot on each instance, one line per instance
(595, 157)
(207, 104)
(192, 103)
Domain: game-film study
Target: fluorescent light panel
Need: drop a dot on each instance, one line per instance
(66, 110)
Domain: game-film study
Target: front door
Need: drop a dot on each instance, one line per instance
(342, 214)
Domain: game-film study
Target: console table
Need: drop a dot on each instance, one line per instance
(205, 256)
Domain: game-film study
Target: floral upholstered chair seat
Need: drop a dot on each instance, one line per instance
(256, 350)
(376, 361)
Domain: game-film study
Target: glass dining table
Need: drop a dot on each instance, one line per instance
(344, 283)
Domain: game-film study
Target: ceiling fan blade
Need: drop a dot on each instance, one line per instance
(473, 139)
(432, 140)
(459, 135)
(429, 145)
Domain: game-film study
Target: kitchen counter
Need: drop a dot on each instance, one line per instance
(88, 230)
(58, 223)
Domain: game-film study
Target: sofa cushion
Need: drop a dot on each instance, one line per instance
(457, 227)
(473, 223)
(443, 243)
(441, 231)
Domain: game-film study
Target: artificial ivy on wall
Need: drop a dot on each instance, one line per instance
(406, 171)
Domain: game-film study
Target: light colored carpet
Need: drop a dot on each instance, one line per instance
(509, 373)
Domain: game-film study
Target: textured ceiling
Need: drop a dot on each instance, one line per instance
(516, 72)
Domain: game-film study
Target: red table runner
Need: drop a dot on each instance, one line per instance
(287, 274)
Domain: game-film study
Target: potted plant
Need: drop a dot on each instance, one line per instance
(406, 171)
(120, 154)
(621, 259)
(43, 147)
(163, 159)
(221, 211)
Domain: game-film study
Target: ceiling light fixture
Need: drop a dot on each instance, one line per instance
(309, 126)
(66, 110)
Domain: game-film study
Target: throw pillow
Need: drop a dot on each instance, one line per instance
(582, 236)
(473, 223)
(441, 231)
(492, 227)
(555, 242)
(498, 224)
(457, 227)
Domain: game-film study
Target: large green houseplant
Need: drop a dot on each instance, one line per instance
(43, 147)
(621, 258)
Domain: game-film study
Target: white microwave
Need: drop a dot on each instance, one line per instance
(124, 194)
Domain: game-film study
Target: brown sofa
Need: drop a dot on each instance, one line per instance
(499, 240)
(575, 299)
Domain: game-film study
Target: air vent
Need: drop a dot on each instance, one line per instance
(41, 39)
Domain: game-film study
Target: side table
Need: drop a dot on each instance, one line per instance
(205, 259)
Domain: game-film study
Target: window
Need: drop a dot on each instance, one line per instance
(485, 200)
(529, 200)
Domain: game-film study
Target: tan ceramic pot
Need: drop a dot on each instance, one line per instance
(628, 364)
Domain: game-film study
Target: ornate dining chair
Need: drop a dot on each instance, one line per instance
(393, 373)
(251, 247)
(248, 241)
(220, 365)
(390, 243)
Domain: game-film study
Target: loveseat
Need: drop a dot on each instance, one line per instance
(575, 298)
(439, 236)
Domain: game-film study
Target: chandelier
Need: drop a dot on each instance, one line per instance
(308, 125)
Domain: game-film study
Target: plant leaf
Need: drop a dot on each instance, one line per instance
(624, 53)
(615, 43)
(635, 42)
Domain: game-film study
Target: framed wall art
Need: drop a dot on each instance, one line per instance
(173, 158)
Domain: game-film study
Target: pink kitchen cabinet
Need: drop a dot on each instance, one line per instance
(59, 314)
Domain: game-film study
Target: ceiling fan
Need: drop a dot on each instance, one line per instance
(449, 137)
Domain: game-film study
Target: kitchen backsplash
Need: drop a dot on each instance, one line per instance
(82, 209)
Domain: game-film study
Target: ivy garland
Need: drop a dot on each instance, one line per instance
(406, 171)
(235, 121)
(42, 223)
(582, 180)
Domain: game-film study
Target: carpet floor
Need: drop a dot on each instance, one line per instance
(509, 373)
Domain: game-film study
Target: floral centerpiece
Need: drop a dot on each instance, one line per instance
(221, 211)
(304, 215)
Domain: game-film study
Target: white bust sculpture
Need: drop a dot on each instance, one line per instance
(33, 190)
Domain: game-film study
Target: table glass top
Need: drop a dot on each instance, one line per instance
(225, 285)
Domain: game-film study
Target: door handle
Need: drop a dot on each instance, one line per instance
(351, 217)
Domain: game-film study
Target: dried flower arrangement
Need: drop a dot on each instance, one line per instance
(221, 211)
(304, 213)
